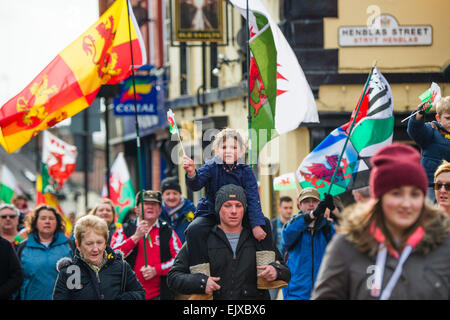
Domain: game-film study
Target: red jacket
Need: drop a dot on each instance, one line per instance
(125, 244)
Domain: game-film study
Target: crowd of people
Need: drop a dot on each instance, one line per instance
(391, 243)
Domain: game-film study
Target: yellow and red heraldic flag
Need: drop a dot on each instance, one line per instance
(71, 81)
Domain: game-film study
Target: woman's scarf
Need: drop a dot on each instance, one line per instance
(173, 212)
(383, 250)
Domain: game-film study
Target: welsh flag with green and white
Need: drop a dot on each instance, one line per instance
(58, 162)
(280, 96)
(373, 129)
(173, 129)
(120, 188)
(9, 185)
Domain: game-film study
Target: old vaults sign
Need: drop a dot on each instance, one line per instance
(385, 31)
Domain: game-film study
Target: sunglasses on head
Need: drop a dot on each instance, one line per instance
(11, 216)
(438, 186)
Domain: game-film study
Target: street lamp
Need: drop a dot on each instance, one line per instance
(223, 60)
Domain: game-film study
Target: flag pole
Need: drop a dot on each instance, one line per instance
(181, 143)
(351, 126)
(138, 138)
(249, 116)
(415, 112)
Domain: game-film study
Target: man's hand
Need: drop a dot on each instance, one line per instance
(269, 273)
(188, 166)
(328, 199)
(320, 209)
(259, 233)
(148, 272)
(211, 285)
(141, 231)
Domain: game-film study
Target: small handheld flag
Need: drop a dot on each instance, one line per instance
(173, 129)
(284, 182)
(431, 95)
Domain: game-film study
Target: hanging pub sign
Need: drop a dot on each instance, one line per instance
(385, 31)
(146, 96)
(198, 20)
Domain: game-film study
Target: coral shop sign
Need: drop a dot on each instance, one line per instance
(385, 31)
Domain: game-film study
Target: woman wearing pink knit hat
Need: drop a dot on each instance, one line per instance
(397, 247)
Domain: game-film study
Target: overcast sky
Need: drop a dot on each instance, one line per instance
(33, 32)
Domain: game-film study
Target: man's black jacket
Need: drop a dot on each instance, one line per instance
(11, 274)
(237, 272)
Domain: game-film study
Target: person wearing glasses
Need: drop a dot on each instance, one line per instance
(9, 221)
(442, 186)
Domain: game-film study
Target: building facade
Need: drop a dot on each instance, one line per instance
(336, 43)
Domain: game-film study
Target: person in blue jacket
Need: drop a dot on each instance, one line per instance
(177, 211)
(225, 168)
(305, 238)
(45, 245)
(433, 138)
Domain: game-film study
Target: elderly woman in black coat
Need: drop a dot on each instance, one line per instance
(96, 272)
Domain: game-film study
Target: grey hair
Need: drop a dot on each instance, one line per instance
(364, 191)
(9, 206)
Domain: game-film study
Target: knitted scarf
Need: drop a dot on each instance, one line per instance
(173, 212)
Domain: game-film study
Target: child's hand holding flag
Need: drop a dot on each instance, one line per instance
(429, 98)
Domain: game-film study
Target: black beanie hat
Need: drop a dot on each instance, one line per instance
(230, 192)
(170, 183)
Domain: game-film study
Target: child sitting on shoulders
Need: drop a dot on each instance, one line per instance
(226, 168)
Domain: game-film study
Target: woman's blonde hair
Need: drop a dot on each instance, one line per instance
(443, 167)
(357, 221)
(90, 223)
(104, 201)
(225, 134)
(443, 106)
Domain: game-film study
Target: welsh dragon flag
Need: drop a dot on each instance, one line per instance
(373, 129)
(71, 81)
(58, 160)
(120, 188)
(57, 164)
(280, 96)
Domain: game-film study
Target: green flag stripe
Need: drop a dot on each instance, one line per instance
(261, 20)
(371, 131)
(47, 187)
(373, 148)
(264, 51)
(6, 193)
(127, 194)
